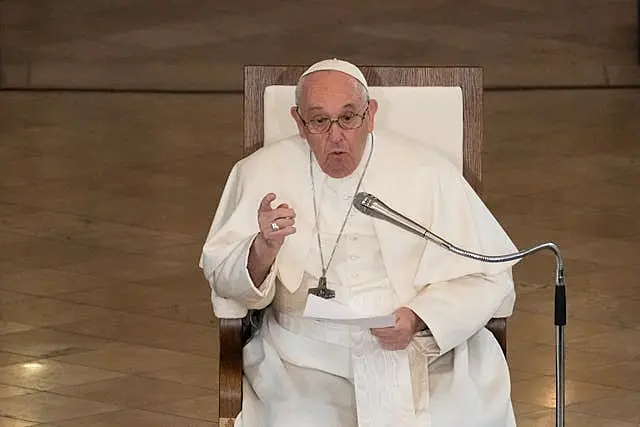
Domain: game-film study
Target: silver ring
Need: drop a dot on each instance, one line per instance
(274, 226)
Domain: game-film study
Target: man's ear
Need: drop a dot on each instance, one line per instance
(373, 109)
(302, 130)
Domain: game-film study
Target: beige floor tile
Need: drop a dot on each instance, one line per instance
(49, 282)
(203, 407)
(542, 392)
(179, 303)
(12, 358)
(623, 375)
(518, 375)
(133, 391)
(540, 359)
(537, 328)
(15, 266)
(548, 418)
(130, 239)
(9, 391)
(602, 195)
(540, 268)
(47, 374)
(522, 409)
(129, 358)
(47, 224)
(192, 279)
(150, 331)
(8, 297)
(203, 375)
(132, 418)
(623, 342)
(617, 282)
(624, 408)
(52, 253)
(12, 422)
(11, 237)
(199, 312)
(126, 267)
(598, 307)
(44, 407)
(43, 343)
(133, 297)
(188, 254)
(611, 252)
(10, 209)
(8, 327)
(49, 312)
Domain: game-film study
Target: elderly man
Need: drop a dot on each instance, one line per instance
(286, 223)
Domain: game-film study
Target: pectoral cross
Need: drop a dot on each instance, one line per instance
(322, 291)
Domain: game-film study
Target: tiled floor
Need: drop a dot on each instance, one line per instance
(105, 198)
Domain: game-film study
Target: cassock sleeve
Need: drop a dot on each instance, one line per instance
(225, 253)
(456, 295)
(456, 309)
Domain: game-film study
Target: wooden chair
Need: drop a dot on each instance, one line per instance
(235, 332)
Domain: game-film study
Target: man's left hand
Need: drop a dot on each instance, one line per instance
(399, 336)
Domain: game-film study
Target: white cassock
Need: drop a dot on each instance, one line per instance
(305, 373)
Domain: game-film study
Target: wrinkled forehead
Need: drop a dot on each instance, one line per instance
(331, 90)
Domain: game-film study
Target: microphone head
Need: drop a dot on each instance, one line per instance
(363, 201)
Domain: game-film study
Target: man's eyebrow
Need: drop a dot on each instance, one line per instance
(318, 108)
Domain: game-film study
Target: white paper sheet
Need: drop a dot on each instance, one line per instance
(326, 309)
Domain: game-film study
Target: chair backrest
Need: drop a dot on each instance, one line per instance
(441, 106)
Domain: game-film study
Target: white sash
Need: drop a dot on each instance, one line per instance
(386, 395)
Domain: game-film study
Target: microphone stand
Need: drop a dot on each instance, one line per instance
(371, 206)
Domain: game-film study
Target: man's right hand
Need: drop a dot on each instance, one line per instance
(282, 217)
(270, 239)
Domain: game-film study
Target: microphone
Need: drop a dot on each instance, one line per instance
(370, 205)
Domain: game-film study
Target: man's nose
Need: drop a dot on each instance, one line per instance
(335, 132)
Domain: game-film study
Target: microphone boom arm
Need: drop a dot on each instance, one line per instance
(371, 206)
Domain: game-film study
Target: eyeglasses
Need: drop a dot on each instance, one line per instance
(322, 124)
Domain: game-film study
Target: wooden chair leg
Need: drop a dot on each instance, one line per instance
(498, 327)
(230, 371)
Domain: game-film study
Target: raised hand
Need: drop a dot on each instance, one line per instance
(275, 225)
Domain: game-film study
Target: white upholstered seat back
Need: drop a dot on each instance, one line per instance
(431, 115)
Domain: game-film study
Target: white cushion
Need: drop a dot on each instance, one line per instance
(432, 115)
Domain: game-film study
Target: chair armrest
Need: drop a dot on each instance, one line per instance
(498, 327)
(230, 368)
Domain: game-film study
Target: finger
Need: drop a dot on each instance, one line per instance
(266, 227)
(284, 223)
(281, 212)
(283, 232)
(384, 332)
(265, 203)
(287, 231)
